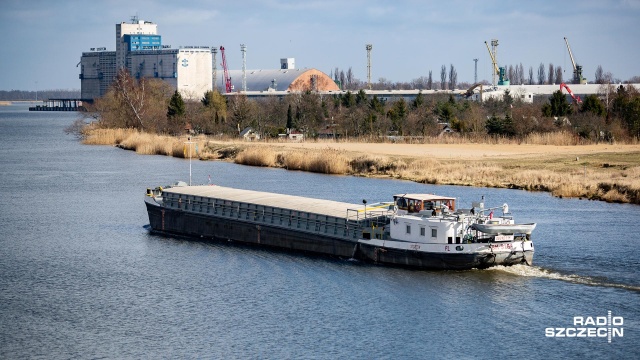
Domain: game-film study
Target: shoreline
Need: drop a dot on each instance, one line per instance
(605, 172)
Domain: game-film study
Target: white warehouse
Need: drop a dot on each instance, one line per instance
(139, 49)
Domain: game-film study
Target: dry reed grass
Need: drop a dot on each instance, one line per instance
(256, 156)
(613, 178)
(107, 136)
(145, 143)
(326, 161)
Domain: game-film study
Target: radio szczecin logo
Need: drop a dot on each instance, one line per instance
(599, 326)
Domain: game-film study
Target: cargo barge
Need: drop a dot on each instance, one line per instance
(414, 230)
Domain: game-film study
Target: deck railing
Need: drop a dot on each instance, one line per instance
(348, 227)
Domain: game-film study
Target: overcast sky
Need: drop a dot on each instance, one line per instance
(42, 41)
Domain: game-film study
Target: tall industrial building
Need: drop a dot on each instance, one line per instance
(129, 37)
(139, 49)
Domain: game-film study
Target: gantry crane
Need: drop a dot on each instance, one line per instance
(577, 69)
(227, 79)
(500, 71)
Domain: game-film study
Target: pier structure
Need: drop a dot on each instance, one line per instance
(59, 105)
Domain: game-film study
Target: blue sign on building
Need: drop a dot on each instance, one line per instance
(143, 42)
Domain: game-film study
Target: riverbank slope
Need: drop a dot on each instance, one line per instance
(609, 172)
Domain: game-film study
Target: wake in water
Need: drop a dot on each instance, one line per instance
(535, 271)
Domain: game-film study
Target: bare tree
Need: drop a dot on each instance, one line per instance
(453, 77)
(419, 83)
(608, 78)
(430, 81)
(541, 74)
(511, 73)
(343, 81)
(530, 75)
(520, 74)
(443, 77)
(130, 103)
(350, 78)
(599, 75)
(132, 96)
(551, 74)
(559, 75)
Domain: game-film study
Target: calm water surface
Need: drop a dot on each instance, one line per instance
(80, 276)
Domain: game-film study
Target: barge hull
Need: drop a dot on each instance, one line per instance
(440, 261)
(169, 221)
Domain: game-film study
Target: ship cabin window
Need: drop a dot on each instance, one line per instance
(422, 231)
(434, 233)
(408, 229)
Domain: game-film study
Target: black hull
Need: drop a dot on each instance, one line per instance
(169, 221)
(439, 261)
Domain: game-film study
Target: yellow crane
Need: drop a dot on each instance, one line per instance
(577, 69)
(500, 71)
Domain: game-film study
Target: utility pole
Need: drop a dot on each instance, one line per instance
(369, 47)
(214, 50)
(189, 143)
(475, 76)
(243, 48)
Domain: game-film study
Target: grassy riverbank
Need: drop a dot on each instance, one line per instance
(609, 172)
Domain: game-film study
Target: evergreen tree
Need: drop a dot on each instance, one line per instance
(507, 98)
(593, 105)
(376, 105)
(361, 97)
(207, 99)
(176, 106)
(418, 101)
(348, 99)
(508, 127)
(557, 106)
(626, 106)
(494, 125)
(398, 115)
(290, 123)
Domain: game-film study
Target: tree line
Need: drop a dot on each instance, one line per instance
(542, 75)
(21, 95)
(153, 106)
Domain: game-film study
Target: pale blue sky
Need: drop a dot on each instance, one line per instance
(42, 41)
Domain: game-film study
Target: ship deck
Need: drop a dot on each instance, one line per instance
(298, 203)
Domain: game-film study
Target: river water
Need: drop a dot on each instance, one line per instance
(80, 276)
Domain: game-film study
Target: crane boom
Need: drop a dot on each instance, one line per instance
(577, 69)
(576, 99)
(570, 54)
(227, 79)
(495, 64)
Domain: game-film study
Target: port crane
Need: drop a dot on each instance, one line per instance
(501, 72)
(576, 99)
(227, 79)
(469, 93)
(577, 69)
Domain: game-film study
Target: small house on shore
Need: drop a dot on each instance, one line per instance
(249, 134)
